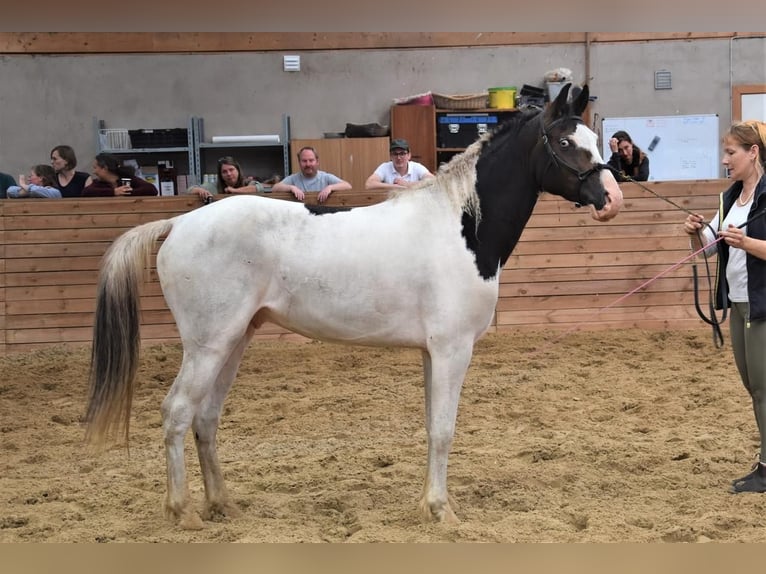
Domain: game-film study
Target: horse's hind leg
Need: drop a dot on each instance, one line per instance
(205, 427)
(444, 371)
(196, 379)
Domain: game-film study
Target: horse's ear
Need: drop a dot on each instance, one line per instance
(580, 98)
(558, 107)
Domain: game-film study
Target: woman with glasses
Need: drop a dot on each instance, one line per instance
(229, 181)
(400, 171)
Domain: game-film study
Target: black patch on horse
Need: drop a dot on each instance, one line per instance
(324, 209)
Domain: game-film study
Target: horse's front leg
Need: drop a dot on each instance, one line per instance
(444, 371)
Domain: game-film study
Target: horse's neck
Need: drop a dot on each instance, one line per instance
(507, 194)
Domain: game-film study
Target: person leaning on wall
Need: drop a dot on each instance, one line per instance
(112, 178)
(310, 178)
(6, 181)
(69, 181)
(400, 172)
(229, 181)
(741, 282)
(627, 158)
(41, 184)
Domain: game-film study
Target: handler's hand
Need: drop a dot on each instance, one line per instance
(734, 236)
(693, 223)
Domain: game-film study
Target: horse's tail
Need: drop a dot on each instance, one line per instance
(116, 336)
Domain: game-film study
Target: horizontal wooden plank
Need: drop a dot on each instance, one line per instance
(595, 301)
(564, 329)
(40, 264)
(636, 273)
(84, 334)
(58, 250)
(63, 221)
(542, 317)
(71, 305)
(614, 287)
(635, 232)
(69, 291)
(594, 258)
(201, 42)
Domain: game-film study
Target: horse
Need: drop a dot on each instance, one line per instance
(420, 269)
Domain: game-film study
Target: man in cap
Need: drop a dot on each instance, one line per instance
(400, 171)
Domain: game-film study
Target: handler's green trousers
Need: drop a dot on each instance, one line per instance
(748, 342)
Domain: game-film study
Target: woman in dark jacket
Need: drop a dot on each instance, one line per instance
(111, 178)
(627, 159)
(741, 285)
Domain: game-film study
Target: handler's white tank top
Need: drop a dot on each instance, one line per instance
(736, 270)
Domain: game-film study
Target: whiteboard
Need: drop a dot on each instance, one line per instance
(686, 146)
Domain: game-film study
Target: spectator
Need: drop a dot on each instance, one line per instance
(310, 178)
(230, 180)
(69, 181)
(627, 159)
(741, 283)
(111, 178)
(400, 172)
(42, 184)
(6, 181)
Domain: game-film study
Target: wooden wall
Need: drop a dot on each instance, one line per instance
(198, 42)
(565, 272)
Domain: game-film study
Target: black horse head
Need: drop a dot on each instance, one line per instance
(567, 159)
(550, 150)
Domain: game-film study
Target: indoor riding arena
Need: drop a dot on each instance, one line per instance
(598, 407)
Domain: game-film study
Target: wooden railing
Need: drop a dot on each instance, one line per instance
(567, 270)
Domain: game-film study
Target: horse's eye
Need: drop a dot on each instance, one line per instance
(563, 142)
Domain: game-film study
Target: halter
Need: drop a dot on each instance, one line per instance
(557, 160)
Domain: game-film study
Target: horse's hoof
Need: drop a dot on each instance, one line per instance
(190, 521)
(438, 512)
(185, 518)
(219, 511)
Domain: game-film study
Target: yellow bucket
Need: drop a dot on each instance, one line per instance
(504, 98)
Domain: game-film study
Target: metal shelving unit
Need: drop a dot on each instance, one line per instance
(201, 146)
(106, 139)
(116, 141)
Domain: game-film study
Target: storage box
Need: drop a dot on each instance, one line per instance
(461, 130)
(503, 98)
(531, 96)
(159, 138)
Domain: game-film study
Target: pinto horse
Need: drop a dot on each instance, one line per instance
(227, 268)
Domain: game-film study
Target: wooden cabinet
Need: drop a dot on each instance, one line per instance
(417, 125)
(424, 127)
(352, 159)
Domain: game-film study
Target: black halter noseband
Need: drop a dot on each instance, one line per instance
(557, 160)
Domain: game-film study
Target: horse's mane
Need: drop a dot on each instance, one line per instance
(457, 178)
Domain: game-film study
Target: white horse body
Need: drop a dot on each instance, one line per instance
(420, 269)
(327, 277)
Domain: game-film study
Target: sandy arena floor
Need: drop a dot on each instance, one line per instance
(595, 437)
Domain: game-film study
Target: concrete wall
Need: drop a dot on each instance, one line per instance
(48, 100)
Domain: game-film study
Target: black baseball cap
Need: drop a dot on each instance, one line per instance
(399, 144)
